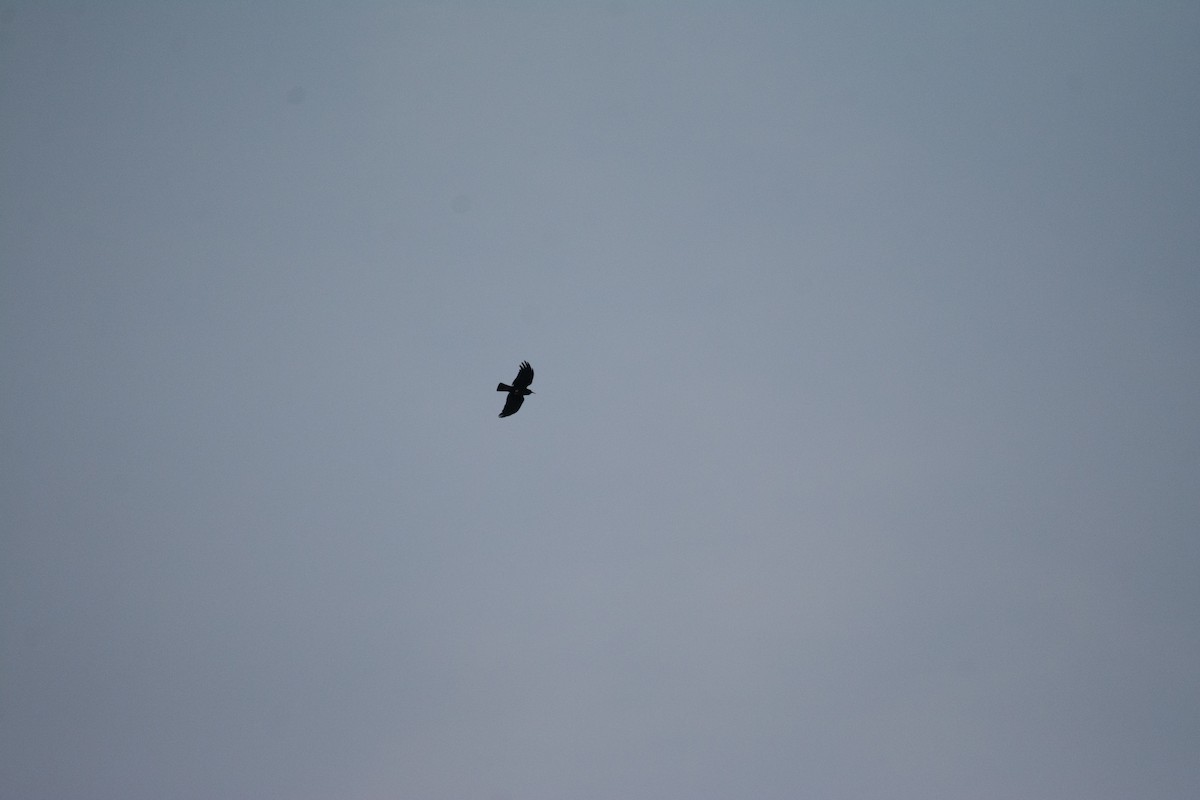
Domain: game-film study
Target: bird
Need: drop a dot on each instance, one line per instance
(517, 392)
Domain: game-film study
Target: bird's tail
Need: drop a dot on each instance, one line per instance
(504, 387)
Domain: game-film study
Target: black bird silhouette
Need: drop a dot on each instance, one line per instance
(517, 392)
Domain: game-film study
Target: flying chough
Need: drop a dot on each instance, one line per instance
(518, 390)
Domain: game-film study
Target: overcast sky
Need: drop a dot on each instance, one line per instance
(865, 455)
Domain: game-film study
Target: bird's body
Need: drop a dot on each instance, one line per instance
(518, 390)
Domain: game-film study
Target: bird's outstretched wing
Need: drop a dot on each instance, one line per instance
(524, 377)
(511, 404)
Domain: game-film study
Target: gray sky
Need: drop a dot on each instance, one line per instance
(865, 454)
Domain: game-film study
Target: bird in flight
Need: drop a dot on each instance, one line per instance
(517, 392)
